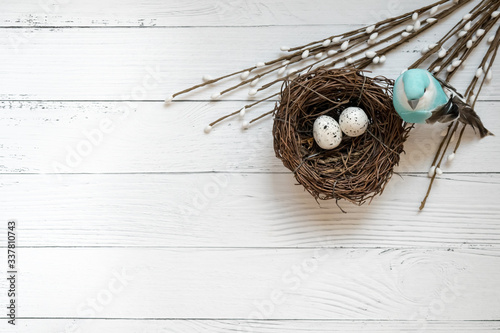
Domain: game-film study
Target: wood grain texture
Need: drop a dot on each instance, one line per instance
(256, 326)
(76, 137)
(158, 13)
(156, 227)
(117, 64)
(246, 210)
(260, 283)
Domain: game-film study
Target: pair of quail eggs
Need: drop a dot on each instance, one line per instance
(327, 132)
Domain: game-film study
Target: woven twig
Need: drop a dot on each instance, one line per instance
(359, 167)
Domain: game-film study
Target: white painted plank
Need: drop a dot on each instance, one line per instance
(69, 137)
(114, 64)
(268, 326)
(259, 283)
(156, 13)
(246, 210)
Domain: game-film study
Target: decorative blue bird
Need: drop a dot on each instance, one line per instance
(418, 97)
(417, 94)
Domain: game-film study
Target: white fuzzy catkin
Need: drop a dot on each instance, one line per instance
(473, 38)
(442, 53)
(254, 82)
(169, 99)
(489, 75)
(207, 129)
(424, 50)
(432, 171)
(382, 59)
(431, 20)
(376, 60)
(318, 55)
(282, 70)
(416, 25)
(331, 52)
(260, 64)
(215, 96)
(207, 78)
(245, 125)
(337, 40)
(349, 61)
(472, 98)
(285, 62)
(284, 48)
(374, 36)
(414, 17)
(434, 10)
(468, 44)
(456, 62)
(450, 68)
(344, 45)
(439, 172)
(370, 29)
(252, 92)
(490, 39)
(436, 69)
(305, 54)
(409, 28)
(244, 75)
(495, 13)
(462, 33)
(370, 54)
(326, 42)
(467, 26)
(242, 113)
(451, 157)
(467, 16)
(479, 72)
(405, 34)
(480, 32)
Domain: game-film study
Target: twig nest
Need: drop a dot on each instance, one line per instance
(360, 166)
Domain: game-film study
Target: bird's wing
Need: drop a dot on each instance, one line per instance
(448, 86)
(444, 113)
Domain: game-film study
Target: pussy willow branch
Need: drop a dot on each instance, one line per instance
(489, 55)
(296, 56)
(359, 37)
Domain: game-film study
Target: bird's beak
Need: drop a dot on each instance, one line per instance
(413, 103)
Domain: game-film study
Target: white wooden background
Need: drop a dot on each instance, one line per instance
(161, 228)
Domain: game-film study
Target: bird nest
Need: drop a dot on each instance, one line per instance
(359, 168)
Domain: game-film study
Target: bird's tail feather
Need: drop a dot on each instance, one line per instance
(469, 117)
(457, 108)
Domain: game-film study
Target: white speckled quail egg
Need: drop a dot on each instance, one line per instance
(326, 132)
(353, 121)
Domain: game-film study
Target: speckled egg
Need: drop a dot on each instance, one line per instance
(326, 132)
(353, 121)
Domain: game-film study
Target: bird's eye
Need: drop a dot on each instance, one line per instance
(425, 89)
